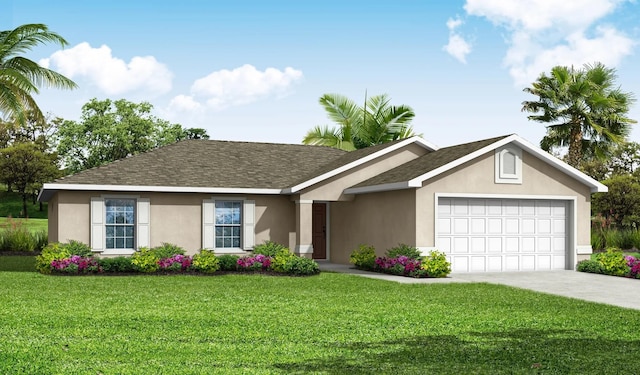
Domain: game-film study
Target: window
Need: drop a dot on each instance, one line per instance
(119, 223)
(508, 165)
(228, 224)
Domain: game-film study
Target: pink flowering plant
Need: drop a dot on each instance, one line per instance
(176, 263)
(634, 266)
(75, 264)
(259, 262)
(401, 265)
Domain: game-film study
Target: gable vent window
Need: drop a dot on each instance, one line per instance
(508, 165)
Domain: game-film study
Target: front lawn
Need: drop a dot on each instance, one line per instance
(32, 225)
(331, 324)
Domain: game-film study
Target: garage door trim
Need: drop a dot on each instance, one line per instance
(571, 252)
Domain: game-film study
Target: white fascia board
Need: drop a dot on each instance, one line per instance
(377, 188)
(596, 187)
(415, 139)
(45, 193)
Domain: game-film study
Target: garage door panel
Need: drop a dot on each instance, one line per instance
(484, 235)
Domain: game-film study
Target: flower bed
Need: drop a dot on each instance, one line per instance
(613, 262)
(402, 260)
(76, 259)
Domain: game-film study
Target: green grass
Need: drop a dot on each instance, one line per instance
(17, 263)
(33, 225)
(329, 324)
(11, 205)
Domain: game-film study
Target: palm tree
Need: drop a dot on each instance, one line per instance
(358, 127)
(586, 110)
(20, 77)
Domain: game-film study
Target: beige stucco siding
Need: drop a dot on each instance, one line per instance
(477, 177)
(174, 218)
(331, 189)
(379, 219)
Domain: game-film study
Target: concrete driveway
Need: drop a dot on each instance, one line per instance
(617, 291)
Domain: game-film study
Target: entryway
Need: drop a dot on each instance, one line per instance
(319, 230)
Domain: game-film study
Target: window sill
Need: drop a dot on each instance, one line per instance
(115, 252)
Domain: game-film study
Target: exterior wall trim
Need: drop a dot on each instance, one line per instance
(573, 210)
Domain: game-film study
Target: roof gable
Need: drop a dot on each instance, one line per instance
(415, 172)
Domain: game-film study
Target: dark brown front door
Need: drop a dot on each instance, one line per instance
(319, 224)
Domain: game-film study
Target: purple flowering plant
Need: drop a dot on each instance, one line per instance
(76, 264)
(401, 265)
(254, 263)
(634, 266)
(176, 262)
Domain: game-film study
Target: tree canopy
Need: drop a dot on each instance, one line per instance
(376, 122)
(20, 77)
(111, 130)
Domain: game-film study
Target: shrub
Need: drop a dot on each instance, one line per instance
(205, 262)
(597, 239)
(268, 248)
(78, 248)
(634, 266)
(145, 260)
(228, 262)
(300, 266)
(254, 263)
(52, 252)
(16, 237)
(176, 263)
(280, 259)
(406, 250)
(76, 264)
(613, 262)
(402, 265)
(364, 257)
(613, 238)
(436, 264)
(116, 264)
(590, 266)
(167, 250)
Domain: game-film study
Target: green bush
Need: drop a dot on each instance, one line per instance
(597, 239)
(280, 259)
(299, 266)
(613, 262)
(228, 262)
(51, 252)
(613, 238)
(268, 248)
(78, 248)
(116, 264)
(205, 262)
(406, 250)
(145, 260)
(18, 238)
(436, 264)
(364, 257)
(167, 250)
(590, 266)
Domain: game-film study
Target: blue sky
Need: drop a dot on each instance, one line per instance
(254, 70)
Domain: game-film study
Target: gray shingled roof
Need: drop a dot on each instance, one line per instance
(207, 163)
(427, 163)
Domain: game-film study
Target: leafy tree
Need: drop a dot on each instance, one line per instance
(112, 130)
(27, 167)
(624, 160)
(34, 129)
(621, 205)
(20, 77)
(358, 127)
(584, 108)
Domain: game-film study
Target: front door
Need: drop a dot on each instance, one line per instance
(319, 235)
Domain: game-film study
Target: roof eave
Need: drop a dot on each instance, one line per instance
(48, 190)
(415, 139)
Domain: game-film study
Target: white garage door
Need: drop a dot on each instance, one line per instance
(494, 235)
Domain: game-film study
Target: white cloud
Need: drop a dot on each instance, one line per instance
(110, 74)
(545, 33)
(457, 47)
(242, 85)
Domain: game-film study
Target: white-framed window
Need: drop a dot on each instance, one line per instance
(508, 165)
(228, 224)
(119, 224)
